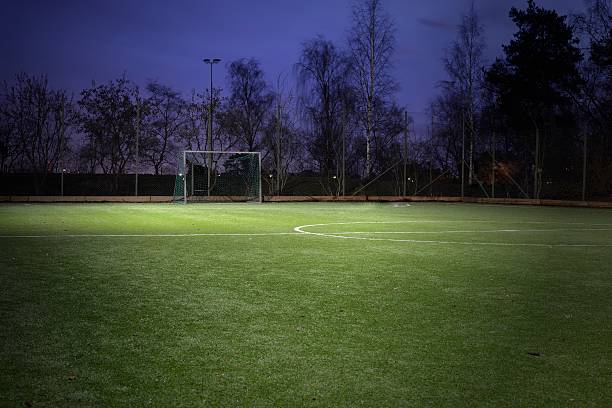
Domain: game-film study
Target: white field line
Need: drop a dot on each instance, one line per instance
(462, 221)
(212, 234)
(470, 231)
(299, 231)
(525, 244)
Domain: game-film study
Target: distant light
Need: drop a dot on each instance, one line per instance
(64, 170)
(270, 176)
(180, 174)
(334, 177)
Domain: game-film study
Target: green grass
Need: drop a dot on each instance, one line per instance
(304, 319)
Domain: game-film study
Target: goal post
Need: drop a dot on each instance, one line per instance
(218, 176)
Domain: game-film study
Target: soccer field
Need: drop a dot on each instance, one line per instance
(305, 305)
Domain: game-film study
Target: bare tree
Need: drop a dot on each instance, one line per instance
(447, 109)
(464, 64)
(37, 120)
(282, 138)
(595, 99)
(193, 133)
(323, 73)
(9, 142)
(107, 120)
(249, 101)
(371, 42)
(165, 121)
(390, 125)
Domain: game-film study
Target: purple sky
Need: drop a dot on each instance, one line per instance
(75, 42)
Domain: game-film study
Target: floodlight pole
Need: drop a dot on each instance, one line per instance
(137, 141)
(493, 169)
(344, 120)
(185, 177)
(536, 179)
(405, 150)
(211, 62)
(192, 177)
(462, 154)
(279, 166)
(431, 136)
(584, 164)
(260, 190)
(62, 143)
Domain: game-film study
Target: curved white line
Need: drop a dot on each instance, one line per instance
(301, 228)
(472, 231)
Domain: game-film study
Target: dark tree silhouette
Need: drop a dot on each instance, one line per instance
(165, 120)
(595, 100)
(534, 83)
(323, 73)
(35, 126)
(249, 101)
(107, 120)
(464, 65)
(371, 43)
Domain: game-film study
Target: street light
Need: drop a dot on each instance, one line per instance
(211, 62)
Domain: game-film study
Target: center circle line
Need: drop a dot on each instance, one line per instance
(351, 235)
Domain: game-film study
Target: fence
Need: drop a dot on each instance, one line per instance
(424, 183)
(86, 184)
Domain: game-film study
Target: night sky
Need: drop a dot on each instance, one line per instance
(75, 42)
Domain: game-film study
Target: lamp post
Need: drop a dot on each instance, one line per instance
(62, 183)
(137, 142)
(211, 62)
(405, 151)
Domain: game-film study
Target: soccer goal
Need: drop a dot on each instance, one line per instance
(218, 176)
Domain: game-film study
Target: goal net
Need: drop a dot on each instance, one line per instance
(213, 176)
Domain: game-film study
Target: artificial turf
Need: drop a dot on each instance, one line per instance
(503, 306)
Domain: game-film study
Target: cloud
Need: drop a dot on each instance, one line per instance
(442, 25)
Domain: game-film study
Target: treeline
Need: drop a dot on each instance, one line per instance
(538, 118)
(535, 118)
